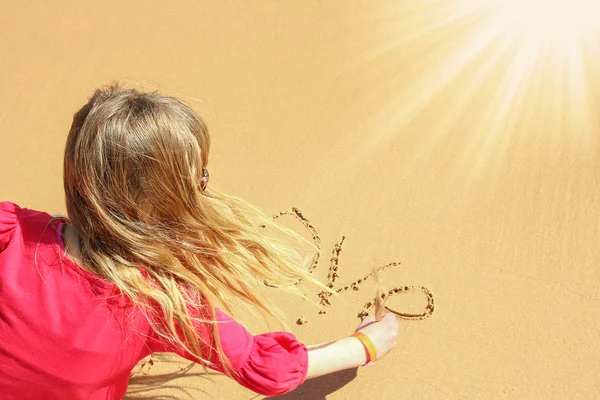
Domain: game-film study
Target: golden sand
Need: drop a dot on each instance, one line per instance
(456, 137)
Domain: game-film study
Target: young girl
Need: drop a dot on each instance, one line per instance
(146, 255)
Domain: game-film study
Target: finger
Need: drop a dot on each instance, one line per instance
(369, 363)
(389, 317)
(366, 321)
(363, 326)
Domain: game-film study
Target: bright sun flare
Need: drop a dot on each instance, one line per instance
(547, 19)
(506, 74)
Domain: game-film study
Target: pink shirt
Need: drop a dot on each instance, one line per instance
(66, 333)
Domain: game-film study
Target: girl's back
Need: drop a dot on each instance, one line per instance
(66, 333)
(60, 337)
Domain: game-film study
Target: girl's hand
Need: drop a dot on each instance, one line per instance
(383, 334)
(349, 352)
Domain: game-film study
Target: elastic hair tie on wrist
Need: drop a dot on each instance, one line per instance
(368, 344)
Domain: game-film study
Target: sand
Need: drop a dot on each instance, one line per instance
(433, 137)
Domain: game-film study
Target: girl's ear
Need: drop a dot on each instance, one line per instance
(205, 178)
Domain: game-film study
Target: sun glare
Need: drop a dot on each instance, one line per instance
(494, 76)
(547, 20)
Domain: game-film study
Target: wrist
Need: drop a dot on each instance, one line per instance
(355, 350)
(368, 345)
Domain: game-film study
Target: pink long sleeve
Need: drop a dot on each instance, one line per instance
(269, 364)
(66, 331)
(8, 222)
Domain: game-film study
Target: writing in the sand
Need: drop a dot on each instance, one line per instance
(334, 273)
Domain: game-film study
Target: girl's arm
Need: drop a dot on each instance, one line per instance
(349, 352)
(275, 363)
(335, 356)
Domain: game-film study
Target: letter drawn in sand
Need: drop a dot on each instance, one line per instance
(334, 273)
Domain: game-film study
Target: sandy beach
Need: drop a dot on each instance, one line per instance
(444, 139)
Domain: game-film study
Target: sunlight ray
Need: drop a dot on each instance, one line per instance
(533, 100)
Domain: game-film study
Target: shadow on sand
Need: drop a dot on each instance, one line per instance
(319, 388)
(154, 386)
(175, 385)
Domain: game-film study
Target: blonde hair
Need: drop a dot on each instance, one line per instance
(132, 174)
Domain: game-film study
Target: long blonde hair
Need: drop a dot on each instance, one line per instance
(133, 170)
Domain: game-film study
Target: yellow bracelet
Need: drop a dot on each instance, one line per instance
(368, 344)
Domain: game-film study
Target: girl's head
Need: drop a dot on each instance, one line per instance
(134, 156)
(135, 170)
